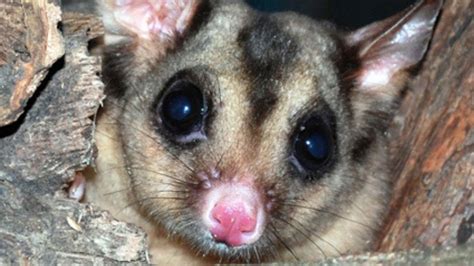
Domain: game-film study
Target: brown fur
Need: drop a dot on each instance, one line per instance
(143, 178)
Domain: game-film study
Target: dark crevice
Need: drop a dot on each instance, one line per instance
(11, 129)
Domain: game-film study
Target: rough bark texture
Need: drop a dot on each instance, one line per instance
(31, 43)
(432, 143)
(432, 147)
(41, 151)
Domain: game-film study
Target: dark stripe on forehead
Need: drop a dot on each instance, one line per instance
(348, 64)
(200, 18)
(267, 53)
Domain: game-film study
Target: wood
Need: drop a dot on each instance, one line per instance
(31, 43)
(432, 142)
(40, 153)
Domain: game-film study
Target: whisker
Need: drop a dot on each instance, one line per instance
(175, 185)
(117, 191)
(151, 198)
(178, 180)
(316, 235)
(273, 244)
(257, 255)
(302, 233)
(275, 233)
(328, 212)
(145, 134)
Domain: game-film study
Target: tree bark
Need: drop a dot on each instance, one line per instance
(43, 148)
(31, 43)
(432, 142)
(50, 91)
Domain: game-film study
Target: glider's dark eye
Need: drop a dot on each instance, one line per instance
(313, 145)
(183, 109)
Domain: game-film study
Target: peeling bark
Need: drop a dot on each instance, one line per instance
(41, 151)
(31, 43)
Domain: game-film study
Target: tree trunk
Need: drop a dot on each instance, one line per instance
(50, 91)
(43, 148)
(432, 142)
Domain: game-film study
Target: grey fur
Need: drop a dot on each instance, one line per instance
(303, 74)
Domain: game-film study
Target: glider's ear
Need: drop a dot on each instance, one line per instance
(147, 27)
(386, 50)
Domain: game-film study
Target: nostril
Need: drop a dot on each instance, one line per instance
(223, 215)
(222, 218)
(247, 224)
(232, 222)
(234, 214)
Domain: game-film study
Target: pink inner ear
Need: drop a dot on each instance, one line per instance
(154, 19)
(395, 44)
(379, 72)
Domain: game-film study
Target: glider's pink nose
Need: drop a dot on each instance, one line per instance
(234, 223)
